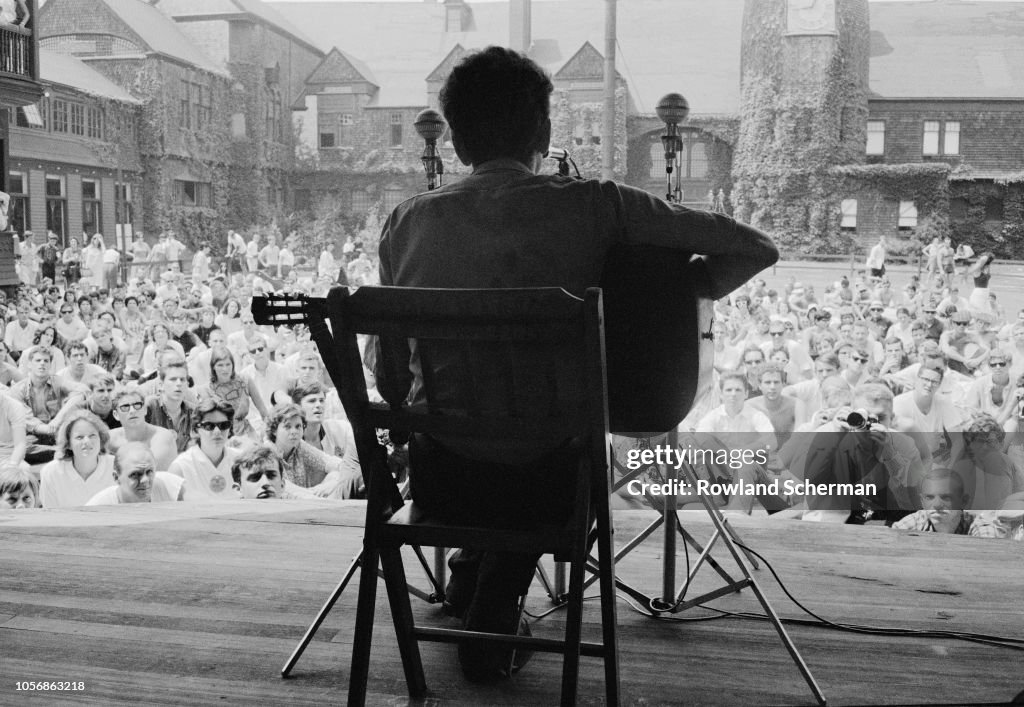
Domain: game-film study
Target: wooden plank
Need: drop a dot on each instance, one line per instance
(203, 607)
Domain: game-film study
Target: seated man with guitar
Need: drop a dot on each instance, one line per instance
(506, 225)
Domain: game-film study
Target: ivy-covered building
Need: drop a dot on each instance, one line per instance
(214, 82)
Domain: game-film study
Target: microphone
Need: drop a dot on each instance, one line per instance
(557, 153)
(430, 126)
(672, 109)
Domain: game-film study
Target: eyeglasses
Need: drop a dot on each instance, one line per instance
(930, 311)
(929, 381)
(125, 407)
(223, 426)
(997, 364)
(777, 333)
(859, 359)
(877, 309)
(960, 323)
(65, 311)
(257, 349)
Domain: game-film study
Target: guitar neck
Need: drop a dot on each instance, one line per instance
(288, 310)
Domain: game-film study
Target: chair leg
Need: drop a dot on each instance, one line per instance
(401, 613)
(574, 619)
(606, 568)
(363, 634)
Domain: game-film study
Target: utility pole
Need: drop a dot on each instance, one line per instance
(608, 120)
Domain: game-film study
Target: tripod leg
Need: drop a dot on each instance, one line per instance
(324, 610)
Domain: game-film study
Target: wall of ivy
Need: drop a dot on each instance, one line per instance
(975, 225)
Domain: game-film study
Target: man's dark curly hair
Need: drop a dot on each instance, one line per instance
(496, 101)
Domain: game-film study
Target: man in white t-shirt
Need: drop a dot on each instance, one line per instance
(252, 252)
(137, 481)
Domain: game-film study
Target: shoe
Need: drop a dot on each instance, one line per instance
(485, 662)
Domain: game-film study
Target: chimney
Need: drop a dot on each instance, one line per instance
(519, 24)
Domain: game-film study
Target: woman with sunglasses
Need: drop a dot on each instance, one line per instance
(206, 466)
(130, 411)
(237, 390)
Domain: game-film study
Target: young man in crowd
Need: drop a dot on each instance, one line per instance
(130, 411)
(169, 409)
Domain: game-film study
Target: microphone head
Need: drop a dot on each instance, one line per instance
(429, 124)
(673, 108)
(557, 153)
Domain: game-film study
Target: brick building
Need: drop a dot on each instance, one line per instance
(74, 164)
(20, 86)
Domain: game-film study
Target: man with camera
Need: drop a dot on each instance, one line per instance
(859, 447)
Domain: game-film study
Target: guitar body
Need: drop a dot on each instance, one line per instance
(658, 342)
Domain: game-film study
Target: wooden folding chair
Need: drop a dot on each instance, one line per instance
(495, 340)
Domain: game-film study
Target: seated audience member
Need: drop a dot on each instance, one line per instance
(752, 359)
(304, 465)
(169, 409)
(79, 370)
(158, 339)
(81, 468)
(895, 358)
(258, 474)
(70, 326)
(840, 453)
(206, 467)
(9, 372)
(925, 413)
(137, 481)
(964, 349)
(809, 392)
(781, 410)
(797, 361)
(332, 437)
(19, 488)
(108, 356)
(239, 391)
(268, 375)
(199, 361)
(47, 397)
(989, 475)
(13, 437)
(954, 385)
(20, 334)
(100, 400)
(130, 412)
(48, 338)
(943, 509)
(993, 393)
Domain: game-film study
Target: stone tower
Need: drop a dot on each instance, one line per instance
(803, 111)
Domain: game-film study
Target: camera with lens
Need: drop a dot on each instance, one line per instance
(858, 422)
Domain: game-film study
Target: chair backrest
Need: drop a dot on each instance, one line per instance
(516, 365)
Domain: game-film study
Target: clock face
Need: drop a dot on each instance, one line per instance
(811, 16)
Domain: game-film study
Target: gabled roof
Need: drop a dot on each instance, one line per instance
(587, 63)
(64, 70)
(160, 33)
(688, 46)
(232, 9)
(441, 71)
(947, 49)
(338, 67)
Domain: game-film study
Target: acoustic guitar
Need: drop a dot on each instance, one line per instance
(658, 340)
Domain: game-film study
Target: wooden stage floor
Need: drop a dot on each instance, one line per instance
(201, 605)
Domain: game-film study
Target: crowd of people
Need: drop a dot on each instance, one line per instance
(161, 386)
(918, 388)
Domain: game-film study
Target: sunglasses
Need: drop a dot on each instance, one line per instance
(997, 364)
(257, 349)
(777, 333)
(877, 309)
(858, 359)
(960, 323)
(125, 407)
(65, 311)
(223, 426)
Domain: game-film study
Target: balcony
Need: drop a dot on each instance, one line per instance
(19, 63)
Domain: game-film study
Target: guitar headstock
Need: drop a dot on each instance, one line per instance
(287, 309)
